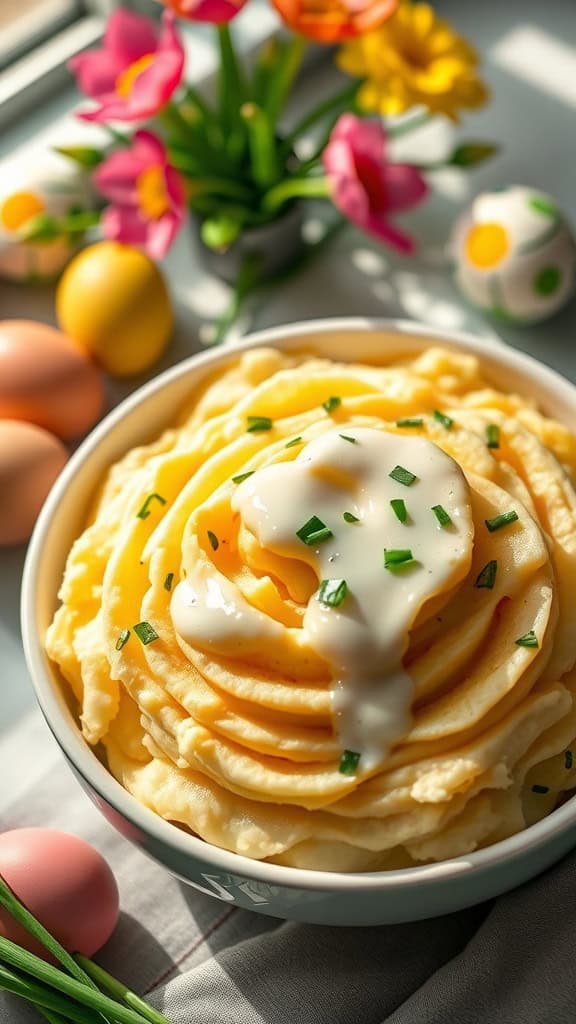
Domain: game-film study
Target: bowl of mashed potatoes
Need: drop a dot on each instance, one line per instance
(300, 614)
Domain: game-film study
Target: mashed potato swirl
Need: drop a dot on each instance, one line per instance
(239, 742)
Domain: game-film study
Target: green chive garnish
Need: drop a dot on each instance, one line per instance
(492, 436)
(441, 515)
(487, 577)
(446, 421)
(314, 531)
(332, 403)
(346, 437)
(214, 542)
(145, 633)
(528, 640)
(254, 424)
(332, 592)
(169, 581)
(503, 520)
(398, 559)
(349, 762)
(403, 476)
(540, 789)
(410, 422)
(295, 440)
(242, 476)
(568, 760)
(399, 509)
(122, 639)
(145, 510)
(349, 517)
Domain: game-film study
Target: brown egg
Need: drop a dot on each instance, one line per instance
(30, 461)
(46, 379)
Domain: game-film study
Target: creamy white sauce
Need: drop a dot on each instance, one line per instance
(365, 638)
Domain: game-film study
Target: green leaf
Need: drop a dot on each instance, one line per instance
(469, 154)
(219, 233)
(85, 156)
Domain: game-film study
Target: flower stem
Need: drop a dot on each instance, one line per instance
(296, 188)
(407, 125)
(283, 77)
(232, 93)
(120, 991)
(333, 103)
(263, 157)
(219, 186)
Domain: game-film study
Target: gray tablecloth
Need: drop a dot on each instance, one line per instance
(204, 962)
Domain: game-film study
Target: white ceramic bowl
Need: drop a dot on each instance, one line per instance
(316, 897)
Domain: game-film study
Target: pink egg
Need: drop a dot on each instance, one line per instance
(65, 883)
(48, 380)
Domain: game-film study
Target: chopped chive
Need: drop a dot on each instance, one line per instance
(214, 542)
(502, 520)
(487, 577)
(403, 476)
(492, 436)
(145, 633)
(169, 581)
(349, 762)
(332, 403)
(314, 531)
(145, 510)
(568, 760)
(242, 476)
(122, 639)
(346, 437)
(528, 640)
(410, 422)
(332, 592)
(441, 515)
(399, 509)
(398, 559)
(254, 424)
(540, 789)
(442, 418)
(349, 517)
(295, 440)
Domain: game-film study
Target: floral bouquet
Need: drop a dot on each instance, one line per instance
(230, 160)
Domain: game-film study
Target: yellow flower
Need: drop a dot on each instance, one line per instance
(413, 59)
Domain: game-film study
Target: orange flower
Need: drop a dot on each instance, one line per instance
(332, 21)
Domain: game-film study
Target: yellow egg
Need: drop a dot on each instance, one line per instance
(30, 460)
(112, 299)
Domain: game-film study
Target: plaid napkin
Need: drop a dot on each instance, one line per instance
(204, 962)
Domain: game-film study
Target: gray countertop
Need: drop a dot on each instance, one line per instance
(530, 62)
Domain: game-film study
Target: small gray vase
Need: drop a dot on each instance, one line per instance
(274, 247)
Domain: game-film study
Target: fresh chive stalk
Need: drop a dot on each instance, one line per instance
(255, 424)
(349, 762)
(351, 440)
(242, 476)
(349, 517)
(46, 999)
(144, 512)
(528, 640)
(442, 418)
(540, 789)
(410, 421)
(145, 633)
(120, 991)
(214, 542)
(314, 531)
(398, 559)
(568, 760)
(399, 509)
(332, 403)
(332, 592)
(122, 639)
(492, 436)
(442, 515)
(169, 581)
(502, 520)
(293, 442)
(487, 576)
(403, 476)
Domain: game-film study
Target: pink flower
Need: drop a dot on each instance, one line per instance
(135, 73)
(147, 194)
(215, 11)
(365, 187)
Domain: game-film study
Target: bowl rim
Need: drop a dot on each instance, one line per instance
(102, 782)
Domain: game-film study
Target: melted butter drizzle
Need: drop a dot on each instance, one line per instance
(365, 638)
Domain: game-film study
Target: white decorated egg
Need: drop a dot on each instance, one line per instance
(46, 183)
(514, 254)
